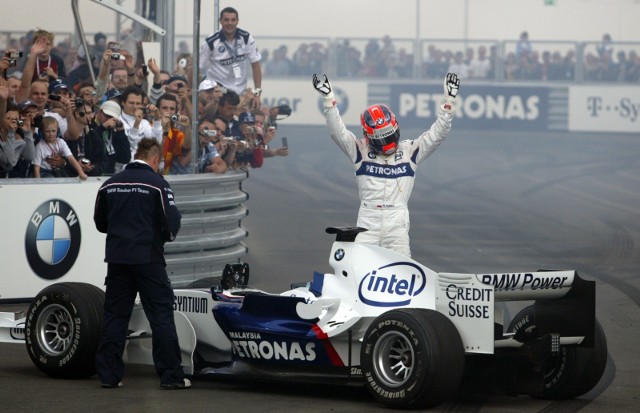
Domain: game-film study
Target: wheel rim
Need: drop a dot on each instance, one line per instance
(393, 359)
(55, 330)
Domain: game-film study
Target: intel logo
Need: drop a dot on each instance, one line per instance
(392, 285)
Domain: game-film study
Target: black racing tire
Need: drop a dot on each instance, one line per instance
(575, 370)
(204, 283)
(412, 358)
(63, 328)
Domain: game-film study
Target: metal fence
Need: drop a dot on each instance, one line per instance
(212, 233)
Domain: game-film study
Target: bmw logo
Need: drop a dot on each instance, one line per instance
(221, 49)
(342, 100)
(339, 254)
(53, 239)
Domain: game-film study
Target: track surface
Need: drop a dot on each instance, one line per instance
(482, 202)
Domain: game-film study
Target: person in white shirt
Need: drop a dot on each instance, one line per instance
(227, 55)
(137, 120)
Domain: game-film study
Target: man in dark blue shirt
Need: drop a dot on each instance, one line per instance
(136, 209)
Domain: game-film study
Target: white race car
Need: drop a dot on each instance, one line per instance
(382, 320)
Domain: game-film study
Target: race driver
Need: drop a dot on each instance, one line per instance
(385, 167)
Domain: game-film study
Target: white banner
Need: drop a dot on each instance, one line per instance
(604, 108)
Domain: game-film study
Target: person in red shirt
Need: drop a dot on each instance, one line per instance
(176, 149)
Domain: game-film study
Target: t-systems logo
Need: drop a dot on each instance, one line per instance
(392, 285)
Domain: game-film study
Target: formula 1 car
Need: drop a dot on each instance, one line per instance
(381, 320)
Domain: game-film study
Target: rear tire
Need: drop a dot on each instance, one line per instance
(575, 370)
(63, 328)
(412, 358)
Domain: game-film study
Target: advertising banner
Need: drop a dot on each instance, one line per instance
(604, 109)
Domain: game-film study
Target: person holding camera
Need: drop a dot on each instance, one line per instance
(139, 121)
(176, 149)
(16, 139)
(117, 70)
(385, 167)
(227, 55)
(249, 150)
(89, 149)
(210, 141)
(107, 128)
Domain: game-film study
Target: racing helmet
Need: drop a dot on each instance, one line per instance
(380, 129)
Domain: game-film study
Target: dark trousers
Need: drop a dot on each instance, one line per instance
(156, 294)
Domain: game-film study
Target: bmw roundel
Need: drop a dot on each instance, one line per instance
(53, 237)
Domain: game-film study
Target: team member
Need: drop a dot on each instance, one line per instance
(227, 55)
(136, 209)
(385, 167)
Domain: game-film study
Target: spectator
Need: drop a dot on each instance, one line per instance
(249, 151)
(227, 55)
(53, 145)
(13, 84)
(138, 121)
(459, 66)
(118, 64)
(99, 46)
(210, 139)
(267, 136)
(280, 64)
(159, 79)
(16, 141)
(61, 107)
(89, 149)
(480, 67)
(87, 92)
(523, 46)
(179, 87)
(44, 64)
(176, 149)
(605, 47)
(227, 107)
(107, 127)
(80, 71)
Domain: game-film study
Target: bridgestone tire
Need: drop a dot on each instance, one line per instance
(63, 328)
(412, 358)
(575, 370)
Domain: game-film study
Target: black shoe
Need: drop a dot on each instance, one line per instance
(111, 386)
(184, 384)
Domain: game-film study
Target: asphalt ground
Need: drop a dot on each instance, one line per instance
(484, 201)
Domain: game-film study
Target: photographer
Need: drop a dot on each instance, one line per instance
(118, 63)
(266, 136)
(209, 159)
(89, 149)
(178, 86)
(16, 139)
(176, 149)
(138, 121)
(107, 128)
(249, 151)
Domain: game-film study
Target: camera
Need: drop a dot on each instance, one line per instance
(55, 97)
(79, 102)
(115, 56)
(174, 118)
(229, 138)
(85, 161)
(12, 58)
(145, 70)
(20, 122)
(180, 85)
(251, 129)
(146, 110)
(115, 49)
(284, 110)
(209, 133)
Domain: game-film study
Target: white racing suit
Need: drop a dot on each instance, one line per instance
(385, 182)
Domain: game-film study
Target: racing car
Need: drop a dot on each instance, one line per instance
(382, 320)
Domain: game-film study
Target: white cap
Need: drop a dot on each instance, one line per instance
(111, 108)
(207, 84)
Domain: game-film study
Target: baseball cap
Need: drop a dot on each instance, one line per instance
(246, 117)
(56, 85)
(111, 108)
(23, 105)
(113, 93)
(174, 78)
(207, 84)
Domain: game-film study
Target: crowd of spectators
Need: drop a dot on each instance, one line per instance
(517, 60)
(56, 122)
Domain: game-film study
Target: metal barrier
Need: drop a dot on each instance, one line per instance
(211, 234)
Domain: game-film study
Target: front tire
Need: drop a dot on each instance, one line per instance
(412, 358)
(574, 370)
(63, 328)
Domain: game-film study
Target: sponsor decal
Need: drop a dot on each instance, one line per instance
(250, 345)
(52, 240)
(625, 108)
(385, 171)
(17, 333)
(199, 305)
(466, 301)
(398, 155)
(339, 254)
(522, 281)
(392, 285)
